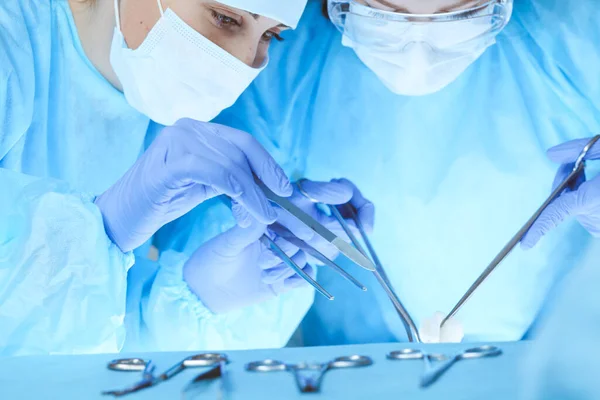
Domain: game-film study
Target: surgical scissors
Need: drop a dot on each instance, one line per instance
(195, 361)
(432, 375)
(137, 364)
(217, 372)
(507, 249)
(411, 329)
(310, 384)
(416, 354)
(127, 364)
(124, 365)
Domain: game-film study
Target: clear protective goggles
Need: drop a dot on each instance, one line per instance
(453, 32)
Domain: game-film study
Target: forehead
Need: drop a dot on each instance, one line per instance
(421, 6)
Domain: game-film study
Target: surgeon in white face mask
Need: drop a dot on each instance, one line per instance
(80, 83)
(192, 59)
(419, 47)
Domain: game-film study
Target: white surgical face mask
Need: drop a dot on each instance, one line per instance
(416, 71)
(178, 73)
(417, 55)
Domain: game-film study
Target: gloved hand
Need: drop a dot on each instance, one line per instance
(337, 191)
(188, 163)
(235, 270)
(582, 203)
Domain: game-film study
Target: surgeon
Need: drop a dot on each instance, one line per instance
(440, 113)
(80, 83)
(562, 362)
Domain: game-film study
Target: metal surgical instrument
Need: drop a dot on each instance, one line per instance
(270, 243)
(147, 375)
(477, 352)
(290, 237)
(134, 364)
(506, 250)
(411, 329)
(345, 248)
(416, 354)
(309, 384)
(217, 372)
(127, 364)
(195, 361)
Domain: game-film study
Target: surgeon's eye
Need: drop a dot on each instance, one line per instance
(223, 20)
(268, 36)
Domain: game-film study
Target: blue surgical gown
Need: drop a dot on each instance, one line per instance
(66, 135)
(453, 175)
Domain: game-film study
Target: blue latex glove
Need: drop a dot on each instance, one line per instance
(337, 191)
(582, 203)
(187, 164)
(235, 269)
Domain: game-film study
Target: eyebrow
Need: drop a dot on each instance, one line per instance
(403, 10)
(257, 16)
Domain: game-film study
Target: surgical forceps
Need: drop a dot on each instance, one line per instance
(506, 250)
(195, 361)
(310, 384)
(432, 375)
(132, 364)
(345, 248)
(415, 354)
(411, 329)
(270, 243)
(290, 237)
(127, 364)
(217, 372)
(135, 364)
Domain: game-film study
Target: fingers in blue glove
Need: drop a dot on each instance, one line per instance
(282, 271)
(234, 241)
(365, 209)
(564, 206)
(261, 162)
(563, 172)
(224, 177)
(293, 282)
(296, 281)
(327, 192)
(569, 152)
(242, 156)
(268, 259)
(294, 225)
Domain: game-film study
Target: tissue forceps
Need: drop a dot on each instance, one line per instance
(345, 248)
(507, 249)
(411, 329)
(149, 380)
(270, 243)
(133, 364)
(433, 375)
(283, 232)
(310, 384)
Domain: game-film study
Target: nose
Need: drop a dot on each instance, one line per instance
(416, 45)
(259, 60)
(420, 51)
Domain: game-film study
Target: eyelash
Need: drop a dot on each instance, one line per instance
(224, 20)
(272, 36)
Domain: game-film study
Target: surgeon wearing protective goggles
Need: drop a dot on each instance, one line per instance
(441, 113)
(85, 86)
